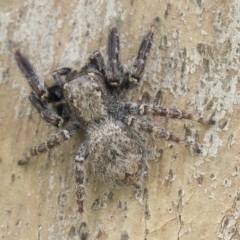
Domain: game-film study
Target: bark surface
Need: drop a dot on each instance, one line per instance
(193, 66)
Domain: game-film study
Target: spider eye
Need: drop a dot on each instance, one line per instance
(98, 89)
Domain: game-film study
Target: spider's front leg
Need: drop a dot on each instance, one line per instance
(40, 95)
(47, 113)
(36, 83)
(144, 49)
(79, 172)
(115, 71)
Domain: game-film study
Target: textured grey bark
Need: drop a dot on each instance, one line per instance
(194, 65)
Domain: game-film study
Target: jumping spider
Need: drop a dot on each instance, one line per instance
(89, 99)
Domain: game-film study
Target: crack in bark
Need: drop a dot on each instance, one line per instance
(179, 216)
(229, 221)
(158, 229)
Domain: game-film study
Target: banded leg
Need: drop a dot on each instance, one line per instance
(36, 83)
(157, 110)
(54, 141)
(115, 73)
(138, 124)
(79, 172)
(144, 49)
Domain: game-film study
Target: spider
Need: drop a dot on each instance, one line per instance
(89, 99)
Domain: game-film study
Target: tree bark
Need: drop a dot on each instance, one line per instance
(193, 66)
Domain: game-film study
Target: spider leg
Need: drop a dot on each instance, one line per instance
(79, 172)
(163, 133)
(144, 49)
(59, 72)
(115, 72)
(47, 113)
(36, 83)
(41, 94)
(55, 140)
(157, 110)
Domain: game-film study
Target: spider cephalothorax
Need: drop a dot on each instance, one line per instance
(88, 99)
(87, 96)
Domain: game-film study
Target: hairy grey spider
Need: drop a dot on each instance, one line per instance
(89, 99)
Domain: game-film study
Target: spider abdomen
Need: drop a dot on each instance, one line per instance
(115, 155)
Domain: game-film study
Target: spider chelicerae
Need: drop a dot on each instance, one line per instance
(89, 99)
